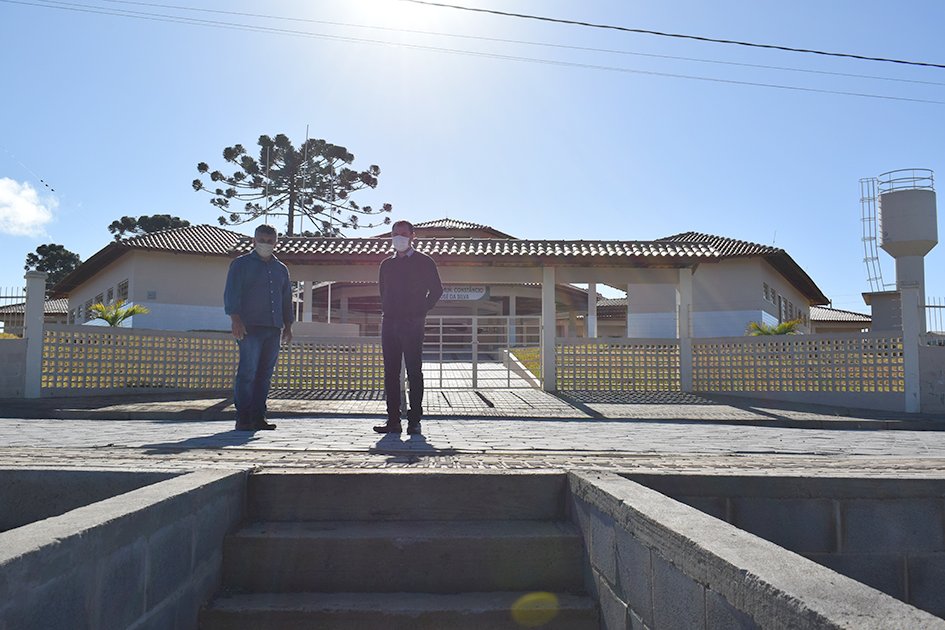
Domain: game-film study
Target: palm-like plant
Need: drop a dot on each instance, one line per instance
(784, 328)
(115, 314)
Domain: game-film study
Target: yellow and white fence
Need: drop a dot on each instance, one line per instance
(83, 360)
(617, 364)
(836, 363)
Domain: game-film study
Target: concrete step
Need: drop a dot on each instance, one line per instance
(406, 496)
(390, 611)
(418, 556)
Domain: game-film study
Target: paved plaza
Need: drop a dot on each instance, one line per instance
(476, 428)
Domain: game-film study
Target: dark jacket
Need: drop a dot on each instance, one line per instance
(409, 285)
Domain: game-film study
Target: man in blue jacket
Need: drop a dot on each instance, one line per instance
(410, 285)
(258, 299)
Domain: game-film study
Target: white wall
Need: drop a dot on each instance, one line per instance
(12, 368)
(726, 297)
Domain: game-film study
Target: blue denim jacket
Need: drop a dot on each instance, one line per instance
(259, 291)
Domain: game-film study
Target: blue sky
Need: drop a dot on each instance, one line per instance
(114, 113)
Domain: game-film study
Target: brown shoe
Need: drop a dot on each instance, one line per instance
(389, 427)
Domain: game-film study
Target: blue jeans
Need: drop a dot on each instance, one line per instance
(259, 350)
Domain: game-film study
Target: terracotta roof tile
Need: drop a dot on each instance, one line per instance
(727, 247)
(50, 307)
(303, 246)
(824, 314)
(194, 239)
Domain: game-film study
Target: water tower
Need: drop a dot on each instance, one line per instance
(908, 227)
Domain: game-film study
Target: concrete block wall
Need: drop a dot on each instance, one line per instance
(655, 563)
(886, 533)
(146, 559)
(12, 368)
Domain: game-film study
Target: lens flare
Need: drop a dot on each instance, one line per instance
(534, 610)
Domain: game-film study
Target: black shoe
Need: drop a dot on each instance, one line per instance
(389, 427)
(246, 426)
(413, 428)
(261, 425)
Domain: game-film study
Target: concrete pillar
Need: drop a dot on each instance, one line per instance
(628, 310)
(548, 317)
(912, 314)
(344, 309)
(910, 273)
(684, 328)
(591, 310)
(307, 286)
(328, 306)
(33, 331)
(512, 316)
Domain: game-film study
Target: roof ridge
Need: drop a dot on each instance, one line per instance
(694, 236)
(190, 228)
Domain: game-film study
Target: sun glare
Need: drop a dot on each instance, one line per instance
(397, 14)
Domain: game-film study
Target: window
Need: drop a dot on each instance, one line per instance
(110, 295)
(72, 313)
(87, 311)
(123, 290)
(767, 294)
(100, 298)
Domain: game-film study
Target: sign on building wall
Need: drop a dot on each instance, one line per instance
(464, 293)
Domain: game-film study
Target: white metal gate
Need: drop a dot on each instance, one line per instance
(482, 352)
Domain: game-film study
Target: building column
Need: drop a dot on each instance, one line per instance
(913, 315)
(307, 286)
(33, 320)
(512, 316)
(628, 311)
(344, 309)
(684, 328)
(591, 319)
(548, 315)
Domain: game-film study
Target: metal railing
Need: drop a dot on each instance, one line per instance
(12, 310)
(906, 179)
(935, 315)
(480, 351)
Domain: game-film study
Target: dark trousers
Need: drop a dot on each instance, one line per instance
(403, 338)
(259, 350)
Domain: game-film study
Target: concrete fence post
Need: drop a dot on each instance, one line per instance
(684, 328)
(33, 331)
(548, 333)
(912, 320)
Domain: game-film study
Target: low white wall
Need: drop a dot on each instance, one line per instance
(181, 317)
(12, 367)
(932, 378)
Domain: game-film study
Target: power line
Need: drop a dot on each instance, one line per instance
(523, 42)
(52, 4)
(699, 38)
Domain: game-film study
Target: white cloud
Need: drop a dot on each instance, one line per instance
(22, 211)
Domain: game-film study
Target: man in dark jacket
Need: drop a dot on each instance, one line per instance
(258, 299)
(410, 286)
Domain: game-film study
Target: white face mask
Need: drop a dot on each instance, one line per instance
(401, 243)
(264, 249)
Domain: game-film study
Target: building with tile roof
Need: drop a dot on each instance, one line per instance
(830, 320)
(179, 275)
(12, 315)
